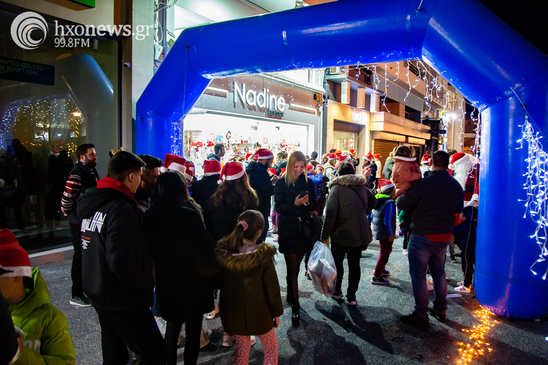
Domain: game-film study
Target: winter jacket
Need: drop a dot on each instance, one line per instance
(259, 179)
(182, 252)
(465, 236)
(79, 180)
(8, 339)
(323, 190)
(432, 202)
(406, 170)
(281, 165)
(47, 339)
(316, 181)
(388, 167)
(220, 222)
(141, 199)
(250, 294)
(290, 237)
(384, 217)
(117, 267)
(346, 210)
(329, 170)
(213, 156)
(204, 188)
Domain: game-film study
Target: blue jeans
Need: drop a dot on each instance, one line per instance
(424, 254)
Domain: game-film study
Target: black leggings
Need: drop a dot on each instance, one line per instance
(192, 344)
(292, 262)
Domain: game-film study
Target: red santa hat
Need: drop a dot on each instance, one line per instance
(385, 184)
(367, 157)
(232, 171)
(425, 160)
(14, 260)
(272, 170)
(351, 151)
(309, 168)
(212, 167)
(263, 154)
(377, 156)
(343, 158)
(456, 156)
(189, 170)
(331, 156)
(174, 163)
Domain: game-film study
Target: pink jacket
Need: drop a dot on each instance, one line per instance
(406, 170)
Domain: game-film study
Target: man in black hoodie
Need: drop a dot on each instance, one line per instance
(117, 266)
(260, 180)
(82, 177)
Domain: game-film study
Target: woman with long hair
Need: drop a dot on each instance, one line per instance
(233, 196)
(183, 256)
(294, 197)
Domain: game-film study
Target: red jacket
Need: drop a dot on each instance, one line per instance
(406, 170)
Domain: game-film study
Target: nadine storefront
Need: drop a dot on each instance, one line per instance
(250, 112)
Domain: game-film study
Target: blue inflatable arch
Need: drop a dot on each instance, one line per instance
(491, 64)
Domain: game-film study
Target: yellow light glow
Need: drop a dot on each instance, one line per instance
(477, 345)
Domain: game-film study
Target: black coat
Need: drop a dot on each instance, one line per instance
(260, 181)
(204, 188)
(182, 252)
(116, 264)
(290, 237)
(220, 222)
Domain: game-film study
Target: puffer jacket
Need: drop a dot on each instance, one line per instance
(329, 170)
(348, 205)
(406, 170)
(250, 292)
(45, 327)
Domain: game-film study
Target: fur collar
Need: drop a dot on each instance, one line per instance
(348, 180)
(408, 159)
(245, 262)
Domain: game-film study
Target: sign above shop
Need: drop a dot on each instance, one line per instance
(20, 70)
(359, 118)
(260, 99)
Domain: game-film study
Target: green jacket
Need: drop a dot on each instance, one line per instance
(250, 293)
(47, 339)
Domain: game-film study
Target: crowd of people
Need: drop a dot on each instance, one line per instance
(153, 244)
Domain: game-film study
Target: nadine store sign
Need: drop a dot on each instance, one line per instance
(260, 99)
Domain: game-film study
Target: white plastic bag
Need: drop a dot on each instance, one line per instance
(321, 267)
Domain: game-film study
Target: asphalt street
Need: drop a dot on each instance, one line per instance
(331, 332)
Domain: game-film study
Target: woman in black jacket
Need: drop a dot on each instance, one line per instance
(183, 256)
(294, 197)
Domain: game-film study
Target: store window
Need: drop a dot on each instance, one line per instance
(345, 141)
(242, 135)
(52, 98)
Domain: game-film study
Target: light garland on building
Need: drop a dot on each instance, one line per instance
(536, 188)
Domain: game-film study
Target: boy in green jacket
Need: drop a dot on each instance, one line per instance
(46, 339)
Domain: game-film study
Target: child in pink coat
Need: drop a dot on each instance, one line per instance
(406, 169)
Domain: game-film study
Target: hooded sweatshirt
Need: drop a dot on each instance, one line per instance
(47, 339)
(250, 293)
(406, 170)
(117, 267)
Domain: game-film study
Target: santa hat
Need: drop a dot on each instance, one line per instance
(263, 154)
(173, 163)
(248, 155)
(352, 151)
(385, 184)
(366, 157)
(189, 171)
(425, 160)
(377, 156)
(456, 156)
(212, 167)
(331, 156)
(14, 260)
(272, 170)
(344, 158)
(232, 171)
(309, 168)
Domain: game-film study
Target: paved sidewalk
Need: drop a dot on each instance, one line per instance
(331, 332)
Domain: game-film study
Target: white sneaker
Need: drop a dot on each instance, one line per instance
(227, 340)
(404, 252)
(462, 289)
(460, 283)
(253, 340)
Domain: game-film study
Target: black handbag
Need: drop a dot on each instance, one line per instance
(311, 226)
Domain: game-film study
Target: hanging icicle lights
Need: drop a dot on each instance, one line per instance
(536, 188)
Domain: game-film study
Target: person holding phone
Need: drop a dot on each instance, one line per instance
(294, 197)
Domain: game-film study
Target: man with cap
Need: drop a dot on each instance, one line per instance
(432, 203)
(83, 176)
(262, 182)
(206, 186)
(44, 327)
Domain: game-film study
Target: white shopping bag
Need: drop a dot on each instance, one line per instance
(321, 267)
